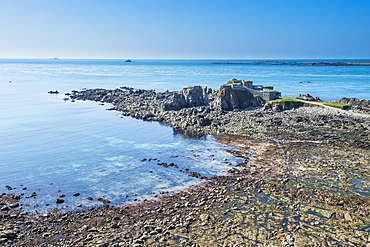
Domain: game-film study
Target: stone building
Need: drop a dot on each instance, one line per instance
(265, 92)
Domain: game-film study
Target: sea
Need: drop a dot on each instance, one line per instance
(55, 147)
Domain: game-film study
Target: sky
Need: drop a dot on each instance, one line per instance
(185, 29)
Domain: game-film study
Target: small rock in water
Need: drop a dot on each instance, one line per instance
(59, 200)
(17, 197)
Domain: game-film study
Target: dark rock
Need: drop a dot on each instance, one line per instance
(59, 200)
(308, 97)
(229, 98)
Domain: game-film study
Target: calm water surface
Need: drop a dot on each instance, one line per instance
(54, 147)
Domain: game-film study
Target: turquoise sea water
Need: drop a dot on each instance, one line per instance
(54, 147)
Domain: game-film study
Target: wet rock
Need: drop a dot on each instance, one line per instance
(14, 205)
(16, 197)
(59, 200)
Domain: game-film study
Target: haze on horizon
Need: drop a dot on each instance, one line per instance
(235, 29)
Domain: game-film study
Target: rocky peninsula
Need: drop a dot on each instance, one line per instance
(298, 63)
(303, 180)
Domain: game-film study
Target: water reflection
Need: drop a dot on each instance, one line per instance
(188, 134)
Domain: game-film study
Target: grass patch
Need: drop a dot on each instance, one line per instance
(275, 182)
(293, 102)
(232, 82)
(289, 102)
(336, 105)
(285, 99)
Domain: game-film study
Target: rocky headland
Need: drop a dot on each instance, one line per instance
(303, 180)
(201, 110)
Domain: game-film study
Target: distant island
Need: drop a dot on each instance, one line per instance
(298, 64)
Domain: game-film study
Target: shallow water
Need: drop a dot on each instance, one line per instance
(80, 147)
(54, 147)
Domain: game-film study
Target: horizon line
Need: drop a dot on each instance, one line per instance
(68, 58)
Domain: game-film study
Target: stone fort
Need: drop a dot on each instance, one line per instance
(265, 92)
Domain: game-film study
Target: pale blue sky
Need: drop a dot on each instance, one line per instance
(240, 29)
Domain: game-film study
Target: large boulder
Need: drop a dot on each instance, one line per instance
(233, 99)
(192, 96)
(196, 95)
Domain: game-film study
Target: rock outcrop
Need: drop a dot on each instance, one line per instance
(230, 99)
(188, 97)
(360, 105)
(309, 97)
(207, 116)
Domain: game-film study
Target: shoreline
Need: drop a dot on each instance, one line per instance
(286, 191)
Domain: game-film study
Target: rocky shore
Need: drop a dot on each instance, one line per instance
(199, 110)
(303, 180)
